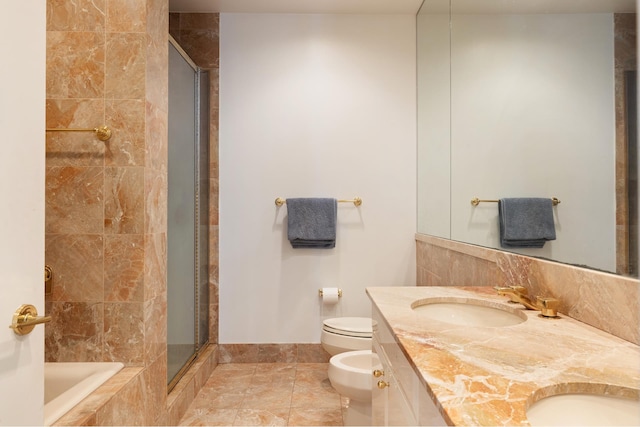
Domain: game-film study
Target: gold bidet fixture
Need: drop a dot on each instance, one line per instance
(548, 307)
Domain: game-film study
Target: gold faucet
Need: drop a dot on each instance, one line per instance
(548, 307)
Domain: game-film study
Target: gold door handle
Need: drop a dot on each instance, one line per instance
(382, 384)
(378, 373)
(26, 318)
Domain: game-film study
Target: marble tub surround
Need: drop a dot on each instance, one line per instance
(490, 375)
(607, 301)
(110, 404)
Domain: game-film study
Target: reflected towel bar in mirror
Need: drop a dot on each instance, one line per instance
(103, 132)
(475, 201)
(357, 201)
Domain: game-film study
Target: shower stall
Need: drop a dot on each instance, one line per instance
(188, 213)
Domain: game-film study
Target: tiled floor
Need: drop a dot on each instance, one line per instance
(267, 394)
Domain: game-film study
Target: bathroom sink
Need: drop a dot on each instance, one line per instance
(468, 312)
(585, 410)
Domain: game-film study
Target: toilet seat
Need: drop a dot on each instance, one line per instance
(349, 326)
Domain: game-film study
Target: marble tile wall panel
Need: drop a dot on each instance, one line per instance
(74, 200)
(126, 407)
(312, 353)
(77, 261)
(76, 332)
(156, 151)
(606, 301)
(74, 148)
(155, 202)
(78, 15)
(155, 391)
(157, 77)
(107, 63)
(124, 268)
(125, 66)
(155, 329)
(155, 265)
(123, 332)
(198, 35)
(126, 16)
(272, 353)
(124, 200)
(75, 64)
(126, 146)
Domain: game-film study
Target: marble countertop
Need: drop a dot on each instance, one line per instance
(490, 375)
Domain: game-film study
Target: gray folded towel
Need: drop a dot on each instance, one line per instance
(526, 222)
(312, 222)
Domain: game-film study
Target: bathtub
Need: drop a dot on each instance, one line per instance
(66, 384)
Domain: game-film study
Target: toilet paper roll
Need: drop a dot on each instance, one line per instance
(330, 296)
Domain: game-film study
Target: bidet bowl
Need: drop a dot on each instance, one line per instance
(469, 312)
(350, 373)
(585, 406)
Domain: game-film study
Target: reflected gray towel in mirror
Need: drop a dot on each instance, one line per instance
(311, 222)
(526, 222)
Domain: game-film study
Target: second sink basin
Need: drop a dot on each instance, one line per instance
(585, 410)
(468, 312)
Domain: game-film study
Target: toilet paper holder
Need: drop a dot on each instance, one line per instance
(339, 292)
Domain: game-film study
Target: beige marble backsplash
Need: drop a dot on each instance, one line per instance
(607, 301)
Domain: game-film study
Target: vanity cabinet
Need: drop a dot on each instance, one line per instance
(399, 397)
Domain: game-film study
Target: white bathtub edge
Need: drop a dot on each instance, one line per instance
(62, 404)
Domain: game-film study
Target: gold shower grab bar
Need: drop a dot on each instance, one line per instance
(357, 201)
(475, 201)
(103, 132)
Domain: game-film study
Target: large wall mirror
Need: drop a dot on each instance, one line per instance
(531, 98)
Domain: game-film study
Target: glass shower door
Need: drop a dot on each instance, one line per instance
(187, 219)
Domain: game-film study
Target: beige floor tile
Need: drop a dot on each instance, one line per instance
(315, 417)
(232, 373)
(266, 396)
(307, 396)
(312, 388)
(220, 398)
(209, 417)
(274, 373)
(262, 417)
(247, 393)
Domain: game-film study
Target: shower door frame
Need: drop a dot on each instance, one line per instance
(201, 213)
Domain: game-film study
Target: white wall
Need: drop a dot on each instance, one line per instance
(313, 106)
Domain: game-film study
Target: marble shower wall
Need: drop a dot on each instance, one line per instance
(607, 301)
(95, 198)
(106, 201)
(107, 63)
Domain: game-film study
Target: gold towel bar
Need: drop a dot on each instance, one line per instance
(475, 201)
(357, 201)
(103, 132)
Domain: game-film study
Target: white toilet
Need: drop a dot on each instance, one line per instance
(342, 334)
(348, 340)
